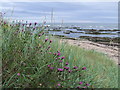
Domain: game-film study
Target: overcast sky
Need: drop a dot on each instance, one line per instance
(70, 12)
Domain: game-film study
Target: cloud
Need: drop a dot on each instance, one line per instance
(71, 12)
(60, 1)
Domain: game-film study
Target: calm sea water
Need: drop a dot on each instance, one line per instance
(90, 25)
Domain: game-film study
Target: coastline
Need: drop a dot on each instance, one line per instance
(109, 51)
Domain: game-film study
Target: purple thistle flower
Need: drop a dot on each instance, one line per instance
(59, 84)
(55, 54)
(39, 35)
(84, 68)
(58, 51)
(46, 40)
(18, 74)
(50, 41)
(87, 84)
(35, 23)
(49, 65)
(30, 24)
(78, 86)
(51, 68)
(4, 23)
(75, 67)
(49, 47)
(59, 54)
(60, 69)
(67, 63)
(60, 61)
(58, 58)
(62, 57)
(66, 67)
(22, 30)
(80, 83)
(50, 52)
(69, 71)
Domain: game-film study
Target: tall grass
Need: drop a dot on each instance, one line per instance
(101, 71)
(33, 59)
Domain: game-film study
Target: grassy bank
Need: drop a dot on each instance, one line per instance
(41, 61)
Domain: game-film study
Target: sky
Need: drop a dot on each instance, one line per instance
(69, 12)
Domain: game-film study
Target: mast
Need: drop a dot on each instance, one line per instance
(52, 17)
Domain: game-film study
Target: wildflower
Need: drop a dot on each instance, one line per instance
(80, 83)
(50, 41)
(67, 63)
(54, 53)
(69, 71)
(50, 52)
(84, 68)
(87, 84)
(51, 68)
(66, 68)
(49, 65)
(59, 84)
(46, 40)
(58, 51)
(35, 23)
(59, 69)
(78, 86)
(39, 35)
(22, 30)
(60, 61)
(62, 57)
(30, 24)
(18, 74)
(59, 54)
(58, 58)
(48, 47)
(4, 23)
(75, 67)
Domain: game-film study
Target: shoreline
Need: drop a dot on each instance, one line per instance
(110, 51)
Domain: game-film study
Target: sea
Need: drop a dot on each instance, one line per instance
(98, 26)
(103, 26)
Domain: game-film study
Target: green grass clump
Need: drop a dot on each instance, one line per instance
(30, 58)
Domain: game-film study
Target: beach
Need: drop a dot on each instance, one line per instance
(110, 51)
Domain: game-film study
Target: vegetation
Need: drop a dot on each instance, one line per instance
(33, 59)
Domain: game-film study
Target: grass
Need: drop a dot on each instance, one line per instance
(29, 60)
(102, 72)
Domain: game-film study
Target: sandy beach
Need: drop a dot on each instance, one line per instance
(110, 51)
